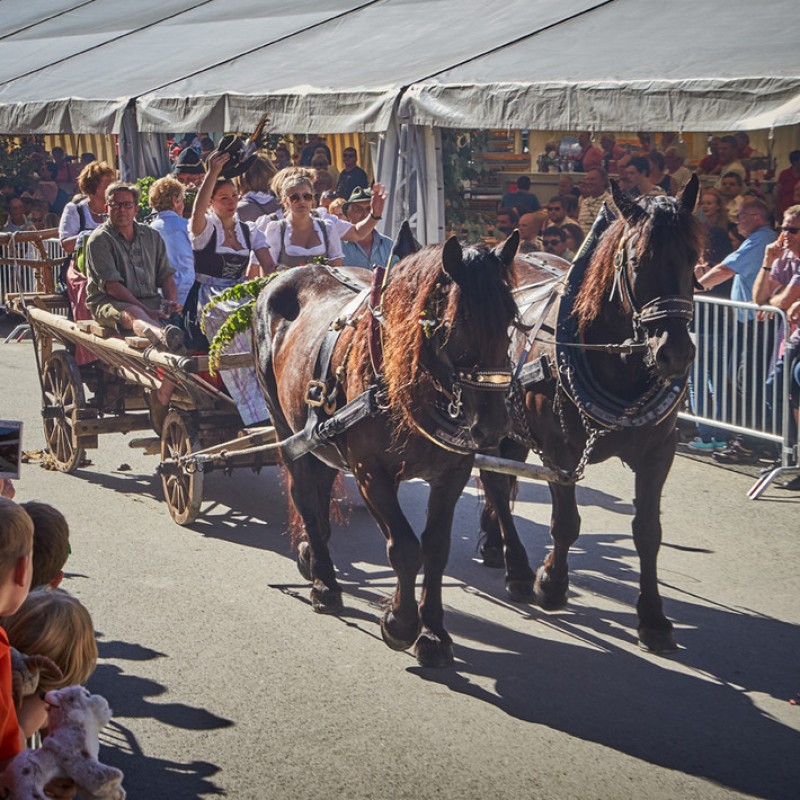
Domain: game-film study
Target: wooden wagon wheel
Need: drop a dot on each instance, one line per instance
(183, 488)
(62, 389)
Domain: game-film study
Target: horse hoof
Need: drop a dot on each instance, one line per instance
(520, 591)
(548, 596)
(492, 557)
(304, 560)
(325, 600)
(657, 640)
(393, 636)
(431, 651)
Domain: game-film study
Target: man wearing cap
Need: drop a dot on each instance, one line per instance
(352, 176)
(373, 248)
(188, 168)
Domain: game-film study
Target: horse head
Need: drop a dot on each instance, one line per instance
(654, 262)
(456, 350)
(475, 348)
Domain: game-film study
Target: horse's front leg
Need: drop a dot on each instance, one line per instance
(552, 577)
(311, 483)
(500, 534)
(434, 647)
(400, 621)
(655, 630)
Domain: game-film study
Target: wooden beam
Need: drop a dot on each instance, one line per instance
(507, 466)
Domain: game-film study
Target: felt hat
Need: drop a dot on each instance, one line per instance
(189, 163)
(359, 195)
(242, 156)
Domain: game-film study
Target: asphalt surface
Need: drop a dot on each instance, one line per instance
(225, 683)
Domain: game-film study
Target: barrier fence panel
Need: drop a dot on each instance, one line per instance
(738, 384)
(24, 267)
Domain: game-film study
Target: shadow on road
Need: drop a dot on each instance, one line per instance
(696, 712)
(690, 712)
(146, 776)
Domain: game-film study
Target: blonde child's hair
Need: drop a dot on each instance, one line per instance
(50, 542)
(55, 624)
(16, 535)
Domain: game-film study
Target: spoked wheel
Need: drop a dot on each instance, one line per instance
(62, 388)
(183, 486)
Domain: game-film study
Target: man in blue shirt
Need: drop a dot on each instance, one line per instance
(743, 265)
(374, 248)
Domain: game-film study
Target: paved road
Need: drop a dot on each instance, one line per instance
(225, 683)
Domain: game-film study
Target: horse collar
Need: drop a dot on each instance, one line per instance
(575, 377)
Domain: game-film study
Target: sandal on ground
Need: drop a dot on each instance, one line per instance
(736, 453)
(157, 411)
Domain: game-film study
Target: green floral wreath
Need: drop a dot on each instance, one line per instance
(238, 321)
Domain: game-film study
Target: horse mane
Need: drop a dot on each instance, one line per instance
(420, 289)
(667, 233)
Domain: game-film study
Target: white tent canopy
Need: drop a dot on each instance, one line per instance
(344, 75)
(74, 66)
(628, 65)
(399, 68)
(78, 82)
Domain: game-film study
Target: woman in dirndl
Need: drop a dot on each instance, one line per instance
(223, 246)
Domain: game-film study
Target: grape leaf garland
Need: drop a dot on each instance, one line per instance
(238, 321)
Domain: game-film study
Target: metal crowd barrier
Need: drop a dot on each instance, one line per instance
(737, 348)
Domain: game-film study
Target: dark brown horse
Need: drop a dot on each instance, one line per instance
(441, 396)
(605, 374)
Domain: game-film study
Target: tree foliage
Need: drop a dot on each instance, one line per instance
(459, 167)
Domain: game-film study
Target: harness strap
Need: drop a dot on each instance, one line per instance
(345, 280)
(534, 331)
(316, 433)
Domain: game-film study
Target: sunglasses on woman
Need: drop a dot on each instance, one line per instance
(296, 198)
(790, 229)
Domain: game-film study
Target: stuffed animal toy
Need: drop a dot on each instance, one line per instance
(75, 719)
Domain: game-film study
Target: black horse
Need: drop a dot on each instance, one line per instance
(607, 368)
(438, 384)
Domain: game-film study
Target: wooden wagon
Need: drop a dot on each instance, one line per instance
(80, 402)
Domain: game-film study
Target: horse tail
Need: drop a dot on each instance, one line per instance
(341, 504)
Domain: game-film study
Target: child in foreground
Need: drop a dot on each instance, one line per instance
(50, 544)
(16, 550)
(52, 623)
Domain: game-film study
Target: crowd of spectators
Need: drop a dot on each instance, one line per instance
(50, 183)
(649, 168)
